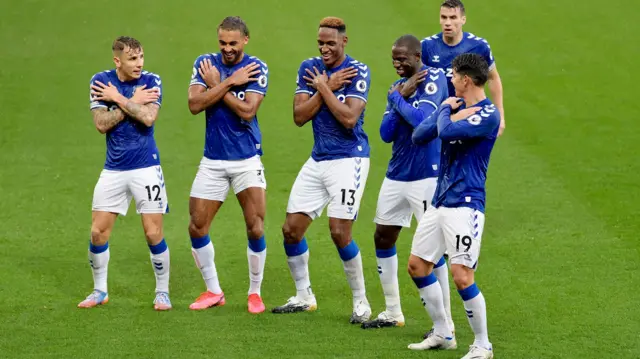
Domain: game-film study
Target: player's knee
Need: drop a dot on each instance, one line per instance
(417, 267)
(255, 228)
(197, 230)
(383, 239)
(153, 234)
(341, 235)
(290, 234)
(462, 276)
(99, 236)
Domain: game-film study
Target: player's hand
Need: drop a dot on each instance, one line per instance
(143, 96)
(462, 114)
(411, 84)
(316, 78)
(454, 102)
(502, 127)
(209, 73)
(106, 93)
(341, 78)
(397, 87)
(245, 74)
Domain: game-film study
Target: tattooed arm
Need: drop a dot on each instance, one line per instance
(105, 119)
(147, 114)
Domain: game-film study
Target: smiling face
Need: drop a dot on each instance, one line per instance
(331, 44)
(405, 62)
(231, 43)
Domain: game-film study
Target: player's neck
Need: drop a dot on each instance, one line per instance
(453, 40)
(474, 96)
(122, 77)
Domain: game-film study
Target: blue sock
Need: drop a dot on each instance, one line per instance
(158, 248)
(296, 249)
(349, 252)
(200, 242)
(98, 249)
(422, 282)
(257, 245)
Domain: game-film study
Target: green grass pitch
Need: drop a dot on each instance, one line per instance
(560, 264)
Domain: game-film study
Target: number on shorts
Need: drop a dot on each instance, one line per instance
(352, 198)
(425, 204)
(466, 241)
(156, 189)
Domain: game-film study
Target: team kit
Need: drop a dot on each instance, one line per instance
(440, 123)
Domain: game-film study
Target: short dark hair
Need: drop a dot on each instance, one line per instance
(453, 4)
(334, 23)
(472, 65)
(122, 42)
(410, 42)
(234, 23)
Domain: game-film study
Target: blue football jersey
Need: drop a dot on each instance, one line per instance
(436, 53)
(466, 148)
(409, 161)
(130, 144)
(228, 137)
(331, 139)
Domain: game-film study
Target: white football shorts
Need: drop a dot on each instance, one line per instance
(214, 177)
(399, 201)
(115, 189)
(458, 231)
(337, 183)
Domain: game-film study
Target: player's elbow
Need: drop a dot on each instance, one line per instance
(350, 122)
(300, 119)
(194, 107)
(247, 115)
(101, 129)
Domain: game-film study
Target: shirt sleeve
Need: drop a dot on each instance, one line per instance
(262, 84)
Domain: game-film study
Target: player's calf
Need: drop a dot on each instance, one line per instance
(475, 307)
(352, 263)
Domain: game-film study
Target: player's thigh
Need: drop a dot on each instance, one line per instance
(462, 228)
(428, 240)
(345, 180)
(393, 208)
(211, 181)
(111, 193)
(420, 194)
(309, 195)
(149, 191)
(246, 174)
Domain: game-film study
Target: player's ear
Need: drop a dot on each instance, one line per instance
(345, 39)
(116, 60)
(464, 19)
(246, 40)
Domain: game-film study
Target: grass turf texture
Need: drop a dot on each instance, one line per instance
(560, 258)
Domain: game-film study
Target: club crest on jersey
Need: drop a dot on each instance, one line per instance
(431, 88)
(361, 85)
